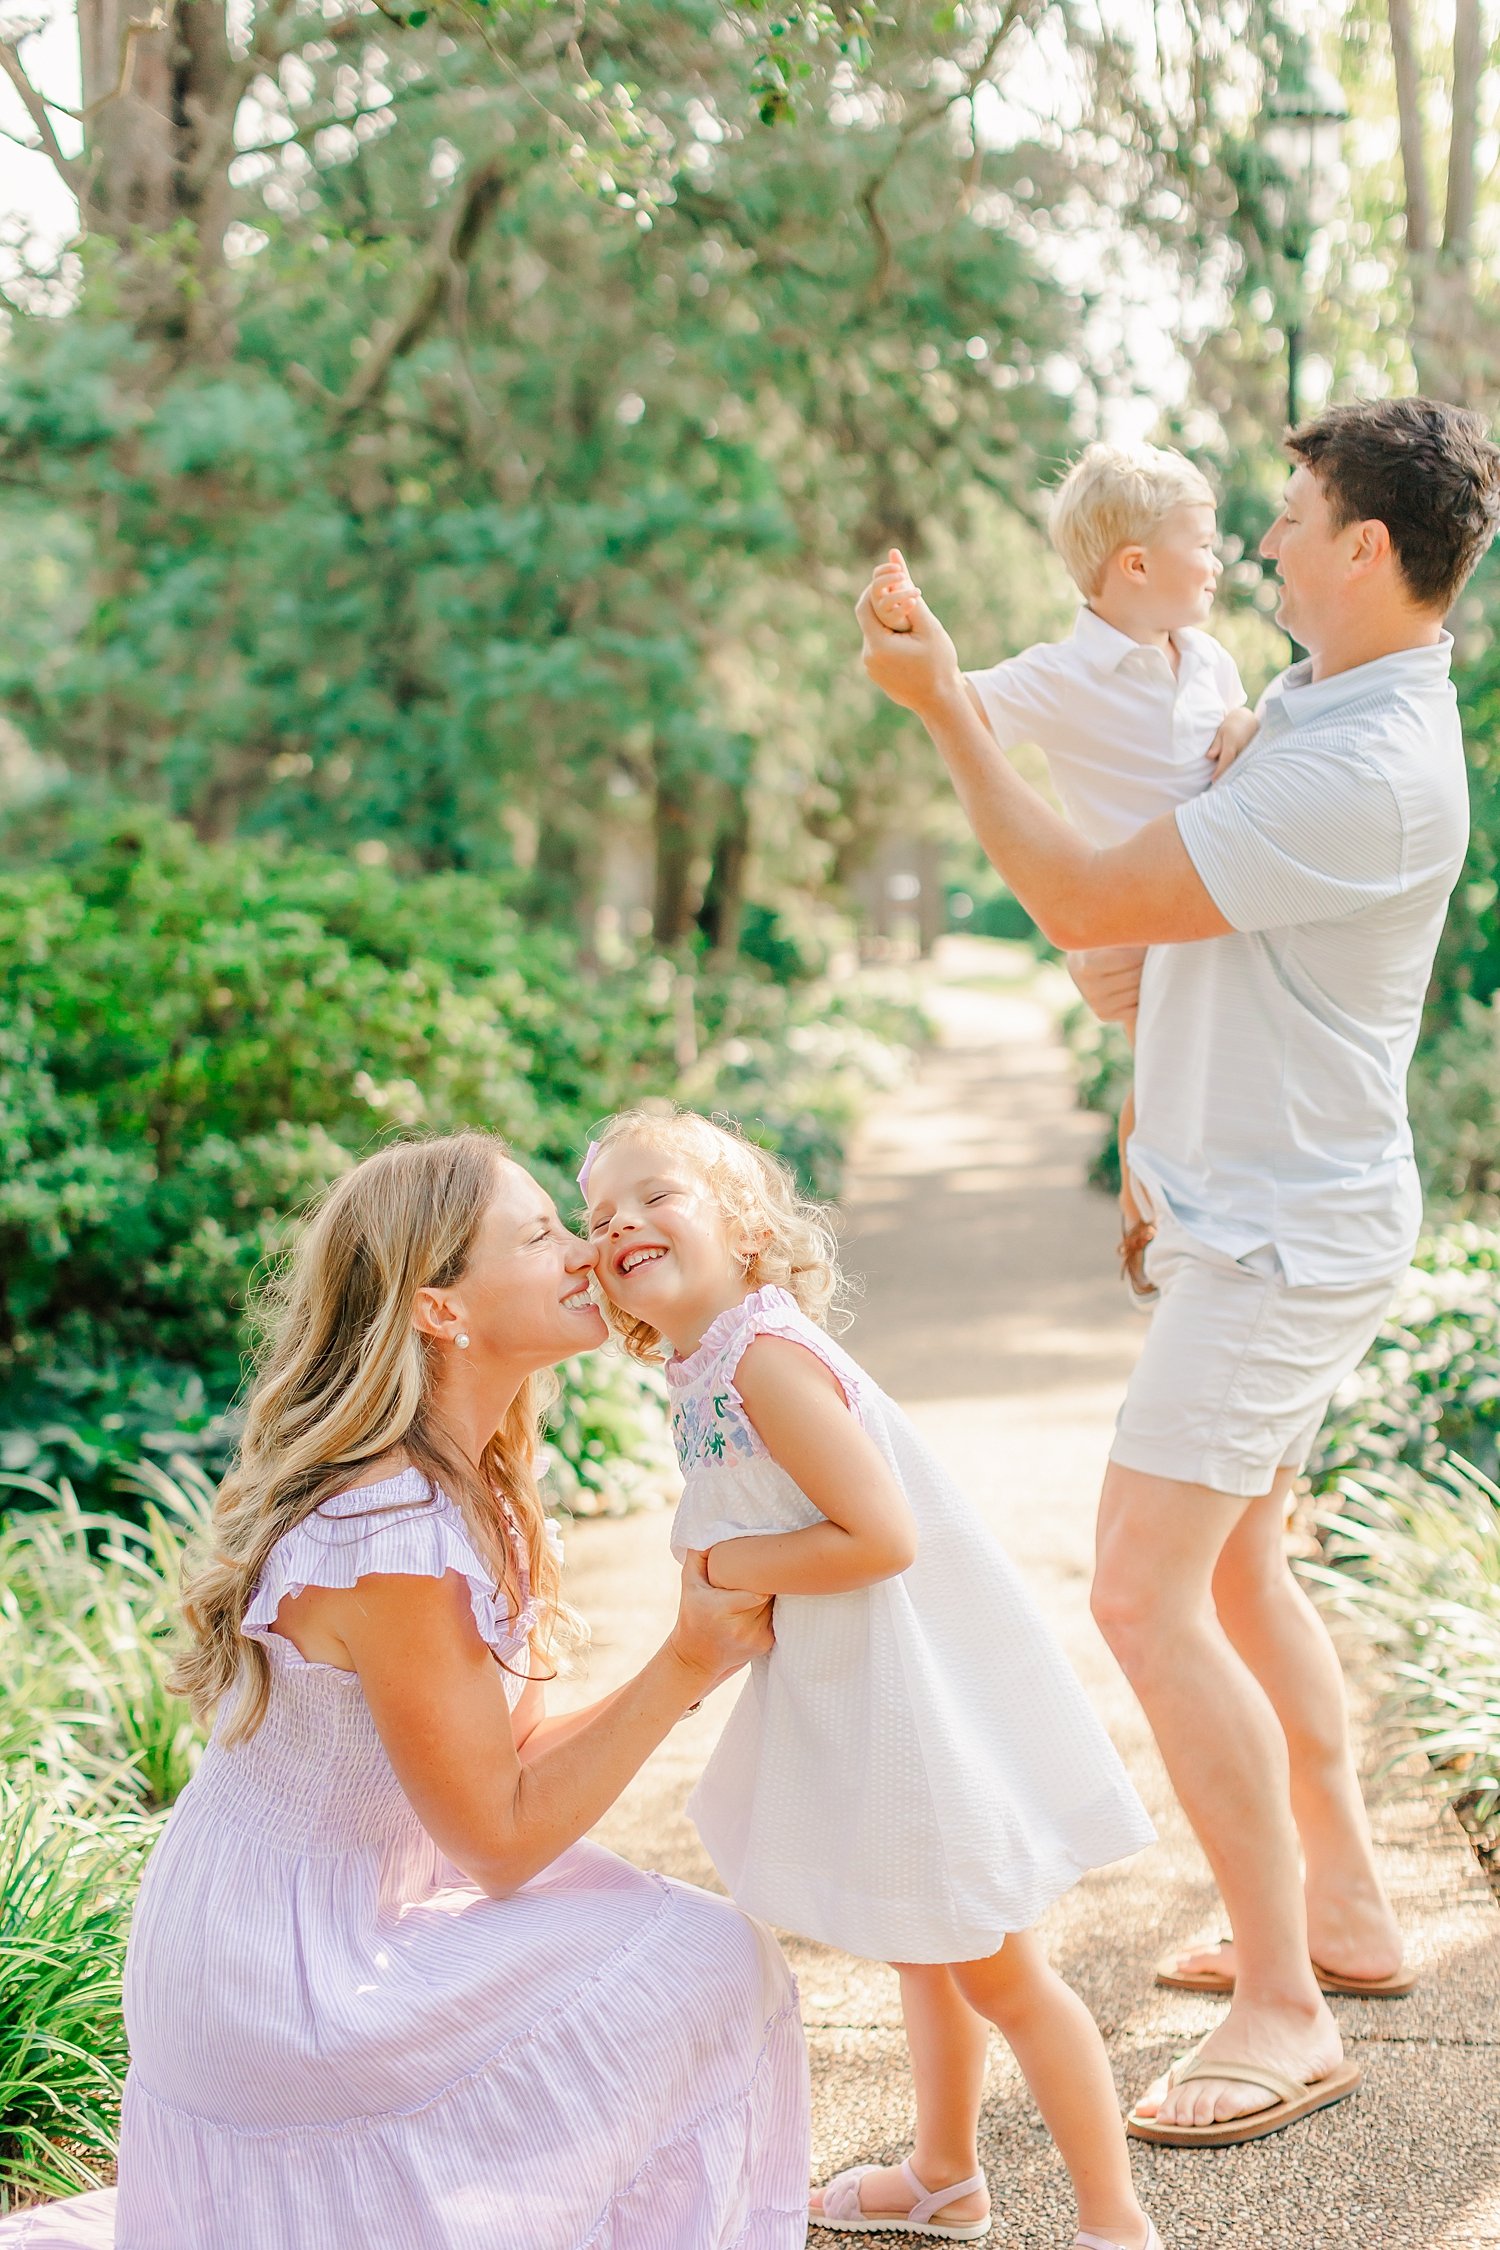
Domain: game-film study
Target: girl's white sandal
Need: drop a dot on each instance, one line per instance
(1082, 2241)
(842, 2212)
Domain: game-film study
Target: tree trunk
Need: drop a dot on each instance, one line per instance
(1463, 178)
(724, 895)
(676, 825)
(130, 133)
(160, 108)
(1409, 113)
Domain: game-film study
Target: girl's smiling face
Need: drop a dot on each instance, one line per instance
(667, 1254)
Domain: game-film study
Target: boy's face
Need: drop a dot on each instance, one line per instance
(1176, 572)
(1170, 579)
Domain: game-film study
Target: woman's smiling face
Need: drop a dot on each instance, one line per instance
(665, 1250)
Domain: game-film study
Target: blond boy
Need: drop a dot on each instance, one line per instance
(1139, 709)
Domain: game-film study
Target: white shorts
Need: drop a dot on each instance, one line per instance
(1237, 1369)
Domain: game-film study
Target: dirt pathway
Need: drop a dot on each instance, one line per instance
(990, 1310)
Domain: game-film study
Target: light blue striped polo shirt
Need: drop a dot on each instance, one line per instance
(1271, 1063)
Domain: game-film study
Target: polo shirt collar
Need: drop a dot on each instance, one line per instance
(1104, 648)
(1302, 698)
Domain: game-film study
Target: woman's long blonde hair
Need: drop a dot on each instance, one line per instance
(344, 1379)
(790, 1238)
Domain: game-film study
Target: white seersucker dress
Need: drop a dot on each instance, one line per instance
(914, 1770)
(339, 2043)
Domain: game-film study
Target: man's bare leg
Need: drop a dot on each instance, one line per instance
(1269, 1619)
(1160, 1542)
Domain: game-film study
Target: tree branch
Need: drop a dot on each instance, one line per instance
(133, 29)
(1409, 112)
(1463, 178)
(1014, 12)
(448, 250)
(70, 170)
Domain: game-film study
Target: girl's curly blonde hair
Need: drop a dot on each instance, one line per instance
(792, 1236)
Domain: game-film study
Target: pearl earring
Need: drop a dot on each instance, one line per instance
(462, 1341)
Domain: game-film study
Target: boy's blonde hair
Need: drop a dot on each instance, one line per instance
(1115, 494)
(794, 1246)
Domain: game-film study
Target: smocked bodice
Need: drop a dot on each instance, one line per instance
(314, 1778)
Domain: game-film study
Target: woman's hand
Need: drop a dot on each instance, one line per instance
(717, 1632)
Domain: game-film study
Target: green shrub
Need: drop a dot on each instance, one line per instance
(1430, 1385)
(1415, 1561)
(93, 1747)
(1410, 1523)
(1455, 1110)
(67, 1880)
(195, 1039)
(1103, 1068)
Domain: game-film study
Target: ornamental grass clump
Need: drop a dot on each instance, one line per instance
(93, 1748)
(1415, 1561)
(87, 1621)
(67, 1877)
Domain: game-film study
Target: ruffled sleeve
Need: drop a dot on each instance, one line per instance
(401, 1527)
(776, 1312)
(710, 1426)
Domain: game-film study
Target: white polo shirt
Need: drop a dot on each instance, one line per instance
(1271, 1064)
(1126, 738)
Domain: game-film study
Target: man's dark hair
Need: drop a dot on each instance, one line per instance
(1425, 470)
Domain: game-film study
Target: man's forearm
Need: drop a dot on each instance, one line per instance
(1145, 892)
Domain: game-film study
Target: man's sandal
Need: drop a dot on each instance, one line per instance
(841, 2208)
(1292, 2099)
(1219, 1982)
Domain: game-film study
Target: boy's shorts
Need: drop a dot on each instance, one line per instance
(1237, 1369)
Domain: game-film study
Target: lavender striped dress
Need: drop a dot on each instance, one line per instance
(339, 2043)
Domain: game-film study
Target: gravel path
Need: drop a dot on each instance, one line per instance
(991, 1311)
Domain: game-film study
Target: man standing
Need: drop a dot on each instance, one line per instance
(1292, 912)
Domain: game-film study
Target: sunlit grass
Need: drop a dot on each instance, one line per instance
(1416, 1561)
(94, 1747)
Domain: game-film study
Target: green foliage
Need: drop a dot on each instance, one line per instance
(516, 594)
(1416, 1562)
(609, 1447)
(195, 1039)
(1103, 1069)
(66, 1881)
(86, 1629)
(1430, 1385)
(93, 1748)
(1410, 1522)
(1455, 1102)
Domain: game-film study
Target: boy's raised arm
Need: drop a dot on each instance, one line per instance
(1144, 892)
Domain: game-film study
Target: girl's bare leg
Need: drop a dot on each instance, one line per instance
(947, 2042)
(1057, 2044)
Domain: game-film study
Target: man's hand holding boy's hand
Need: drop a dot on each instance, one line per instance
(1236, 730)
(893, 597)
(913, 662)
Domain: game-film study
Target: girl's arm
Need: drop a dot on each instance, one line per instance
(437, 1697)
(800, 1411)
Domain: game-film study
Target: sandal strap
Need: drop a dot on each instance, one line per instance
(841, 2193)
(933, 2199)
(1195, 2064)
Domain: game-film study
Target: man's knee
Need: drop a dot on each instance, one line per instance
(1127, 1613)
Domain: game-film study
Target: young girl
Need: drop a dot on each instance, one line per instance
(913, 1774)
